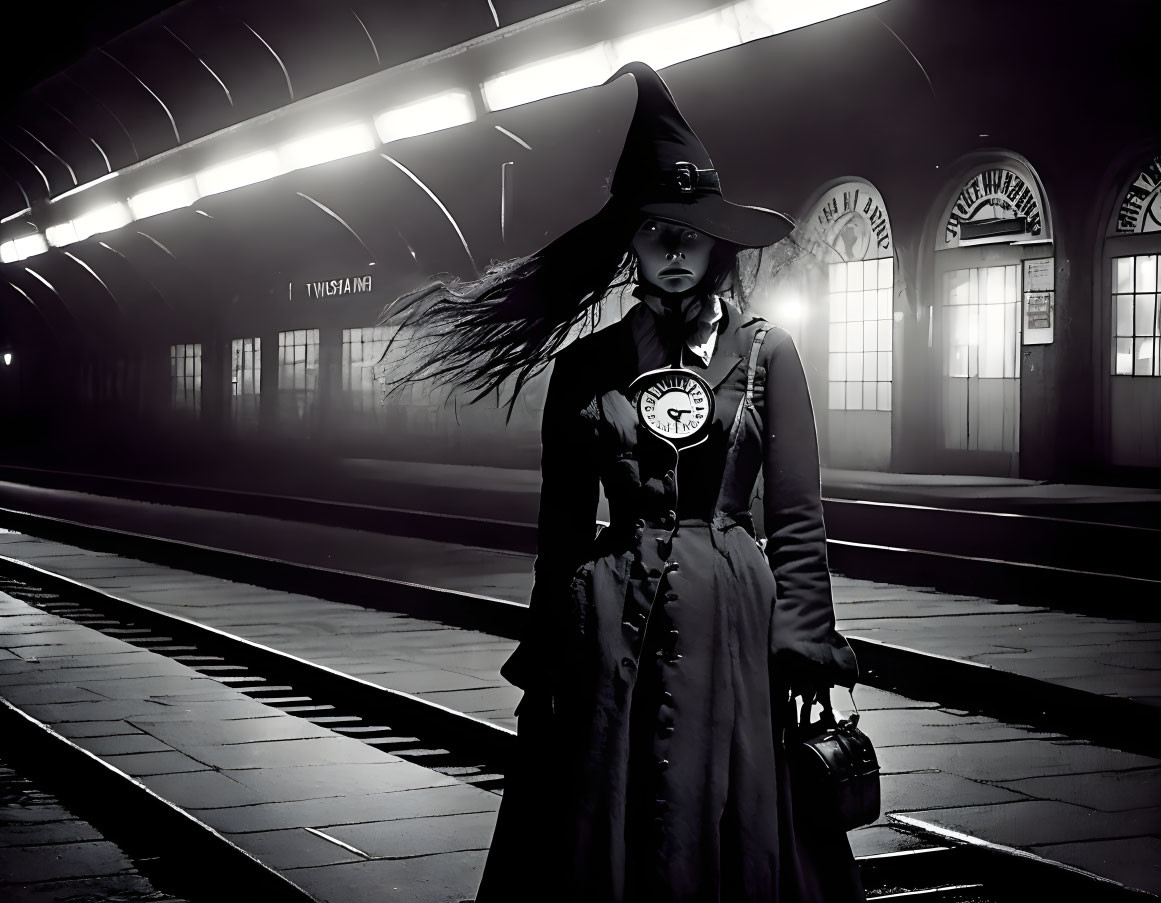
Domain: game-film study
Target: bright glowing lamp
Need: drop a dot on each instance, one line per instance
(103, 219)
(29, 246)
(326, 145)
(680, 41)
(440, 111)
(555, 75)
(61, 234)
(238, 172)
(7, 358)
(8, 252)
(170, 196)
(762, 18)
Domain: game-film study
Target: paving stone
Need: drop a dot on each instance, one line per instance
(111, 887)
(199, 732)
(370, 807)
(1010, 759)
(420, 836)
(151, 763)
(442, 878)
(1031, 823)
(875, 840)
(293, 848)
(45, 831)
(1133, 861)
(121, 744)
(316, 781)
(936, 789)
(926, 726)
(203, 789)
(478, 700)
(320, 751)
(47, 693)
(1112, 792)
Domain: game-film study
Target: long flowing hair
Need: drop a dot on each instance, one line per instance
(504, 327)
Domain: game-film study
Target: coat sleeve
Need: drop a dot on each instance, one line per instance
(803, 640)
(567, 521)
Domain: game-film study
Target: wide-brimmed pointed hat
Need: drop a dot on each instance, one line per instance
(665, 171)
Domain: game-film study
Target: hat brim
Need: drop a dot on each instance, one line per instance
(750, 227)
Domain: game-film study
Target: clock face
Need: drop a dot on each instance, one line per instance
(674, 404)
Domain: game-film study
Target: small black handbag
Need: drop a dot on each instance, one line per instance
(834, 773)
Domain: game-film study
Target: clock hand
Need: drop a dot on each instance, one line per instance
(675, 413)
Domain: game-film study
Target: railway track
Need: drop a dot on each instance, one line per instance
(1107, 720)
(475, 751)
(1070, 564)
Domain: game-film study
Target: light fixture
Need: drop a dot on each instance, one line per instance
(19, 213)
(28, 246)
(326, 145)
(679, 41)
(103, 219)
(7, 358)
(440, 111)
(256, 167)
(761, 18)
(555, 75)
(61, 234)
(170, 196)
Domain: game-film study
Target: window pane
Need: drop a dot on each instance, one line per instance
(838, 337)
(1124, 315)
(1123, 277)
(838, 307)
(993, 291)
(1146, 305)
(1143, 357)
(1124, 354)
(838, 366)
(838, 277)
(1147, 273)
(870, 335)
(886, 276)
(884, 396)
(854, 306)
(855, 276)
(884, 327)
(870, 274)
(854, 365)
(854, 396)
(854, 337)
(957, 362)
(957, 292)
(838, 396)
(885, 366)
(869, 402)
(884, 304)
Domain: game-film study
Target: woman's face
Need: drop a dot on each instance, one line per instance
(670, 256)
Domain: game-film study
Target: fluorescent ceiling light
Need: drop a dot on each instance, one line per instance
(556, 75)
(238, 172)
(29, 246)
(680, 41)
(8, 252)
(326, 145)
(105, 178)
(61, 234)
(762, 18)
(170, 196)
(441, 111)
(103, 219)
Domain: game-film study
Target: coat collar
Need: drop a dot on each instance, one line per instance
(726, 355)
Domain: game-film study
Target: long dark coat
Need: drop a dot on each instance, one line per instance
(650, 764)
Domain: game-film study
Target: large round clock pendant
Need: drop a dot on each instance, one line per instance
(675, 405)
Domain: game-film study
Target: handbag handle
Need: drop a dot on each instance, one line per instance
(827, 717)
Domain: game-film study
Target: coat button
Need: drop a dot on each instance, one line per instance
(672, 566)
(667, 698)
(662, 764)
(669, 476)
(671, 596)
(667, 730)
(640, 524)
(654, 573)
(627, 662)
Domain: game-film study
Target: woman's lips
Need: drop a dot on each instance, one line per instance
(674, 271)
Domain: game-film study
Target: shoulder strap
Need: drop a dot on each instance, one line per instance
(751, 368)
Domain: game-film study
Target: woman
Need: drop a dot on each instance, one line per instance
(660, 656)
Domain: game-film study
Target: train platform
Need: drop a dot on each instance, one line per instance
(947, 770)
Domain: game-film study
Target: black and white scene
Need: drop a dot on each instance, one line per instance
(607, 451)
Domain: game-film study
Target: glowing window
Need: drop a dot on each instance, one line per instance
(245, 380)
(1136, 316)
(860, 320)
(982, 322)
(185, 377)
(297, 373)
(362, 350)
